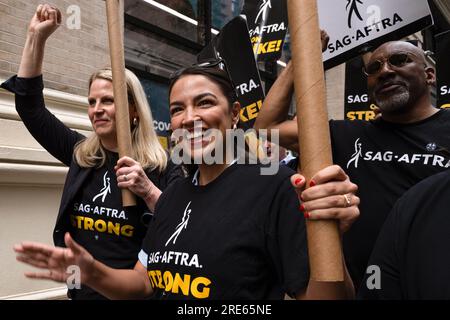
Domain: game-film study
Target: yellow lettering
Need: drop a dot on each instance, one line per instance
(79, 220)
(164, 142)
(445, 106)
(114, 227)
(253, 110)
(152, 277)
(168, 280)
(249, 109)
(182, 284)
(262, 47)
(241, 115)
(100, 225)
(370, 115)
(195, 290)
(266, 47)
(197, 287)
(351, 115)
(272, 46)
(160, 280)
(88, 224)
(361, 115)
(127, 231)
(279, 45)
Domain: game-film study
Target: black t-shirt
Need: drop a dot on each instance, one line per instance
(239, 237)
(100, 223)
(90, 200)
(412, 250)
(111, 233)
(385, 160)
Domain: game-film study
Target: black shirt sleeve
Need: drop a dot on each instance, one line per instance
(48, 130)
(286, 240)
(382, 279)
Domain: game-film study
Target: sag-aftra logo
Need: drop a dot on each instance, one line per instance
(371, 21)
(430, 159)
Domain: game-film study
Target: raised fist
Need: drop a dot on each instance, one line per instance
(45, 21)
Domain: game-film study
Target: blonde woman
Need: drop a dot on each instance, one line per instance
(232, 233)
(91, 209)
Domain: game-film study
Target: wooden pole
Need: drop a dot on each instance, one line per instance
(120, 88)
(324, 246)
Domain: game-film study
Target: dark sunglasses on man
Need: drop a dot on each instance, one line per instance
(395, 60)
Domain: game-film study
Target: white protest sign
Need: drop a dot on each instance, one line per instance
(354, 24)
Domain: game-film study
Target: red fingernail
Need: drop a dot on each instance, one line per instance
(312, 183)
(298, 181)
(302, 208)
(307, 215)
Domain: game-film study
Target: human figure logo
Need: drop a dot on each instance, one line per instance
(105, 190)
(352, 8)
(221, 65)
(432, 146)
(356, 155)
(263, 10)
(181, 226)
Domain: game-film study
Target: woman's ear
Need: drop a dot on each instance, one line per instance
(134, 113)
(134, 116)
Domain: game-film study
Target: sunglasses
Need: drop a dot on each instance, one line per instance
(395, 60)
(215, 63)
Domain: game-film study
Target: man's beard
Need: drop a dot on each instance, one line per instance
(393, 103)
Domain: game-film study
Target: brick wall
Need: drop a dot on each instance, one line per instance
(71, 54)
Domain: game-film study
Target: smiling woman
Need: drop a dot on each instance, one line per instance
(147, 151)
(96, 174)
(208, 212)
(199, 106)
(102, 112)
(225, 231)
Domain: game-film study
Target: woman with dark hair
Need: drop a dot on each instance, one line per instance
(224, 232)
(91, 209)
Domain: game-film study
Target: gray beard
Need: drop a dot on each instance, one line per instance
(393, 103)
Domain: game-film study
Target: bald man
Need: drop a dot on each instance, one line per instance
(384, 157)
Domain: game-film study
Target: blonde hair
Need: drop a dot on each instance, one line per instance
(144, 142)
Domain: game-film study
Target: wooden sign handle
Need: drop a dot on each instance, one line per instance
(324, 245)
(120, 88)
